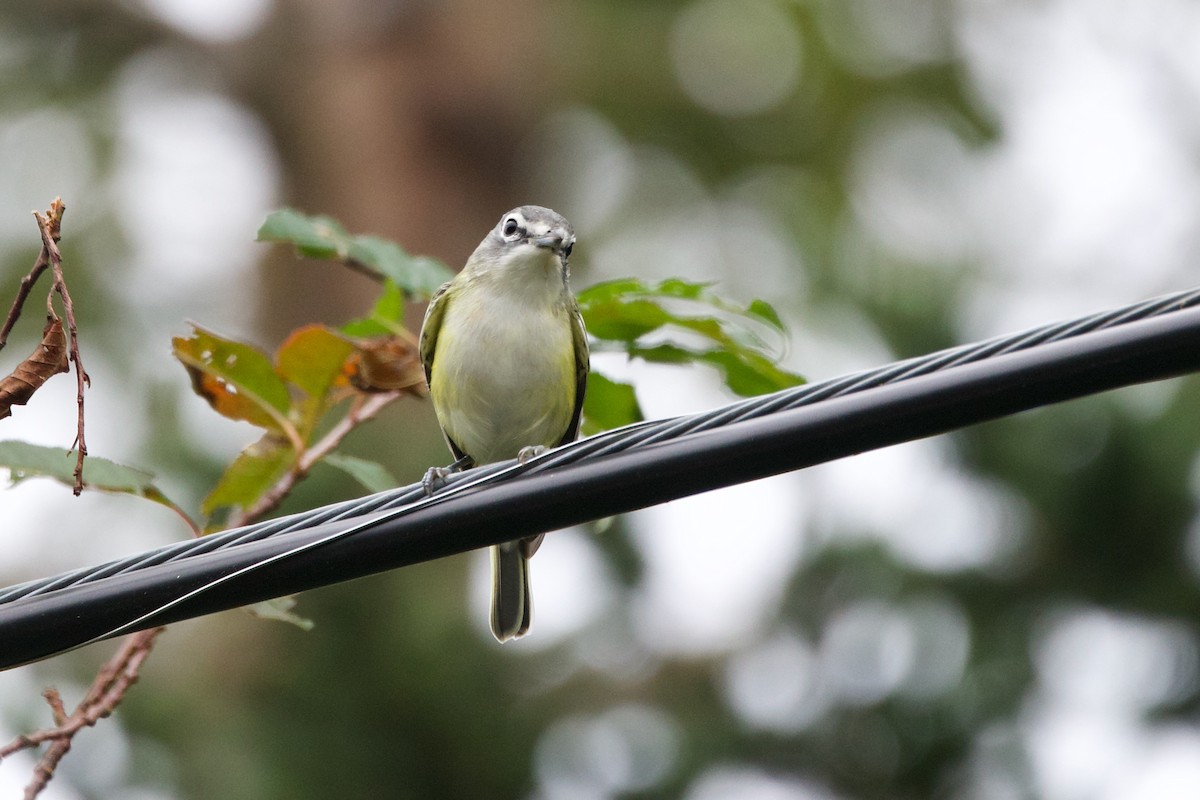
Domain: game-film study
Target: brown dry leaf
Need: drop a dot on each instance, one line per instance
(49, 359)
(385, 364)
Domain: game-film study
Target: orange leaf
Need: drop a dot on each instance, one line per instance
(237, 380)
(313, 359)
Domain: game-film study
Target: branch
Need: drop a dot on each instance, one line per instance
(121, 671)
(49, 224)
(363, 409)
(14, 313)
(105, 694)
(53, 224)
(48, 359)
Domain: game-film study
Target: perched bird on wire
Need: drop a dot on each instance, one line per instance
(506, 357)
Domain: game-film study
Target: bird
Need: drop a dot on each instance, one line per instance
(505, 353)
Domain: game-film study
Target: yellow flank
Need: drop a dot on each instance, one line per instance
(503, 376)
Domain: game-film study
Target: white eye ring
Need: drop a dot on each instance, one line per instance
(512, 228)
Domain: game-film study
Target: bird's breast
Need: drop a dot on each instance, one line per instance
(503, 376)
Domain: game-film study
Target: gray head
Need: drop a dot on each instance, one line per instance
(527, 235)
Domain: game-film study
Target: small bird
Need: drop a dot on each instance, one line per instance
(506, 357)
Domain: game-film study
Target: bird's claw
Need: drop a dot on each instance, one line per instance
(435, 478)
(532, 451)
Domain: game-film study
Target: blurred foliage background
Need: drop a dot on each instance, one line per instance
(1008, 612)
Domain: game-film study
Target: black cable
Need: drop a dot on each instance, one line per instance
(620, 471)
(616, 441)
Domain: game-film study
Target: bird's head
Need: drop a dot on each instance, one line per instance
(527, 237)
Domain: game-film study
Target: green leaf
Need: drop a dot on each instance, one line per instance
(318, 237)
(609, 290)
(322, 237)
(390, 305)
(24, 461)
(238, 380)
(255, 470)
(750, 374)
(386, 318)
(608, 404)
(313, 359)
(690, 323)
(280, 608)
(623, 321)
(626, 289)
(628, 308)
(746, 373)
(665, 354)
(417, 276)
(687, 290)
(373, 476)
(766, 312)
(716, 330)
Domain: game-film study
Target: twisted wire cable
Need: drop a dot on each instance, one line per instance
(1164, 350)
(624, 438)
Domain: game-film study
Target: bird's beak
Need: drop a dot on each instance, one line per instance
(553, 241)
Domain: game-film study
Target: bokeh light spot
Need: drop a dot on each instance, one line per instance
(735, 57)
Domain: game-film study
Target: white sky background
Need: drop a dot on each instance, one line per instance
(1090, 198)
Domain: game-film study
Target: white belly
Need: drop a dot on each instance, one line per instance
(506, 379)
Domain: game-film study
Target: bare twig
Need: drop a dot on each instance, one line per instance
(54, 220)
(49, 224)
(193, 526)
(102, 698)
(44, 770)
(363, 268)
(56, 705)
(363, 409)
(14, 313)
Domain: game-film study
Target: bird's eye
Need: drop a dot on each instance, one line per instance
(567, 250)
(511, 226)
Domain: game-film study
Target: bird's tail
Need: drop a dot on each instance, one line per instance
(511, 603)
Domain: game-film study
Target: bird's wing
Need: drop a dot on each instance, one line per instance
(431, 326)
(582, 367)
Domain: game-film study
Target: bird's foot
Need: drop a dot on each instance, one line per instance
(532, 451)
(435, 478)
